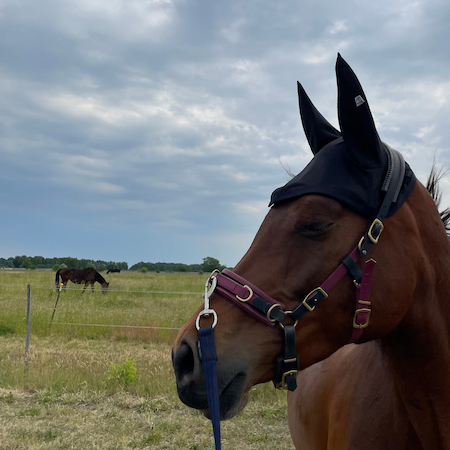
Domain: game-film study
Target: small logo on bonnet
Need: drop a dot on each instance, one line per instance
(359, 100)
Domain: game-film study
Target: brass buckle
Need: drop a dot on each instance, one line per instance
(270, 310)
(250, 295)
(366, 323)
(369, 233)
(317, 289)
(360, 242)
(282, 384)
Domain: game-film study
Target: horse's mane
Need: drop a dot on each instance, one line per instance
(433, 188)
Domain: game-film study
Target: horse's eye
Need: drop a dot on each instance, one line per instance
(313, 228)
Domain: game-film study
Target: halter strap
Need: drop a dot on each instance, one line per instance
(249, 298)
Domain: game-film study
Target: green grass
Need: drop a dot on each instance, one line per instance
(101, 387)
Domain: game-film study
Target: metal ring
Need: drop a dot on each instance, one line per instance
(288, 313)
(270, 310)
(206, 312)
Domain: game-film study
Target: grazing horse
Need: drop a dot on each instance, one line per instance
(357, 218)
(87, 276)
(113, 271)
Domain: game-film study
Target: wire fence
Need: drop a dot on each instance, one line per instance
(131, 291)
(107, 325)
(31, 322)
(42, 327)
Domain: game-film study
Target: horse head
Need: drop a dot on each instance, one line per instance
(105, 286)
(314, 222)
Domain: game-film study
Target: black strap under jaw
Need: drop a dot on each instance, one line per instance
(286, 364)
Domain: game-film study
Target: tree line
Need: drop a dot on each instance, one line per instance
(207, 266)
(39, 262)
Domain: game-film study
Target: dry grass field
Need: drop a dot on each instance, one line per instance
(103, 387)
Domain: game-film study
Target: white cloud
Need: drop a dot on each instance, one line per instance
(232, 31)
(258, 208)
(424, 131)
(338, 27)
(103, 186)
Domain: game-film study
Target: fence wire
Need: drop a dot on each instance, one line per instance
(109, 290)
(106, 325)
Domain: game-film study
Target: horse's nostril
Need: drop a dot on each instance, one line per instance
(183, 362)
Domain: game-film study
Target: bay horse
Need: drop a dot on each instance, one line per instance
(390, 387)
(87, 276)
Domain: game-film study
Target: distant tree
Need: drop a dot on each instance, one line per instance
(209, 264)
(143, 269)
(71, 262)
(18, 261)
(55, 268)
(27, 264)
(63, 266)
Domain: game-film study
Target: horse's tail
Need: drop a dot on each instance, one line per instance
(57, 279)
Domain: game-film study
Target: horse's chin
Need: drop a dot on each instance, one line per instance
(233, 395)
(233, 409)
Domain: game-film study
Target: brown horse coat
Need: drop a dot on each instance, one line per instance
(349, 401)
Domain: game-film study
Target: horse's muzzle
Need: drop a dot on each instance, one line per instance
(191, 385)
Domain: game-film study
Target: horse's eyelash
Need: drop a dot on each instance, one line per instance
(313, 227)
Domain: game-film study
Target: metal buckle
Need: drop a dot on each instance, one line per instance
(369, 233)
(366, 323)
(282, 384)
(317, 289)
(250, 295)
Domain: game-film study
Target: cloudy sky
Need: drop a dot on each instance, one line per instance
(156, 130)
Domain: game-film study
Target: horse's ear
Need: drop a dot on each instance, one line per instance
(355, 119)
(318, 130)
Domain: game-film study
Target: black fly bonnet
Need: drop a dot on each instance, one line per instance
(353, 165)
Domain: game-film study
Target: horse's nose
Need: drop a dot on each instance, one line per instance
(189, 375)
(184, 363)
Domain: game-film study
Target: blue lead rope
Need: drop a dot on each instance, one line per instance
(208, 357)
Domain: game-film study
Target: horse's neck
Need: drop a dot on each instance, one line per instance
(99, 278)
(419, 350)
